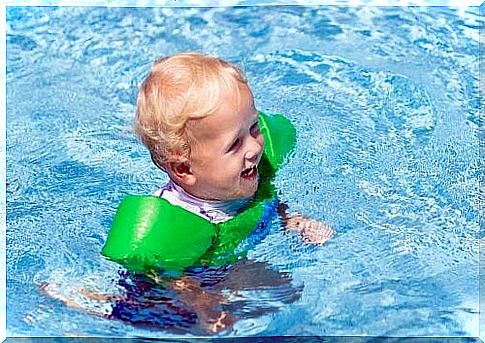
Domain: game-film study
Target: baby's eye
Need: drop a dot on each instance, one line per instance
(255, 129)
(235, 145)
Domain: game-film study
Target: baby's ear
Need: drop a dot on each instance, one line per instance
(180, 171)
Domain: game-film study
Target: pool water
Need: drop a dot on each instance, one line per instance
(386, 105)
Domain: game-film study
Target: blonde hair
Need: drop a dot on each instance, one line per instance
(180, 88)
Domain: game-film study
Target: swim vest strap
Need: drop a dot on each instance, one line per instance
(279, 139)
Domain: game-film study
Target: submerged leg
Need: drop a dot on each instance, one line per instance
(50, 290)
(205, 303)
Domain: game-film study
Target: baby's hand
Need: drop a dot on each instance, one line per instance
(313, 230)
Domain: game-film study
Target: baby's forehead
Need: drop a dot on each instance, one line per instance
(208, 127)
(232, 112)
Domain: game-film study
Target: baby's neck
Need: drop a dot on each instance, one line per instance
(214, 210)
(187, 193)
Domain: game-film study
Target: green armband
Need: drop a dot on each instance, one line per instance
(150, 233)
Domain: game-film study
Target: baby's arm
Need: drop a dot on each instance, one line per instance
(313, 230)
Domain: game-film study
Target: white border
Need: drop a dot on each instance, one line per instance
(216, 3)
(144, 3)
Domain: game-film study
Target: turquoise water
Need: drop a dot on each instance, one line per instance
(385, 102)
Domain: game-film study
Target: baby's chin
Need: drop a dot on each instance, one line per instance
(242, 193)
(244, 189)
(248, 191)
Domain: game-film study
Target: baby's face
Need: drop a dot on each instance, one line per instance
(229, 146)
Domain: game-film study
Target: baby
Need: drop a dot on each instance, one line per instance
(196, 116)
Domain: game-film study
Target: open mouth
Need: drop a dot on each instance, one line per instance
(250, 172)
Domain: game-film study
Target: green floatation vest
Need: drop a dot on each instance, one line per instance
(148, 233)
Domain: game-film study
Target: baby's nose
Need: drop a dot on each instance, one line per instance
(254, 150)
(251, 154)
